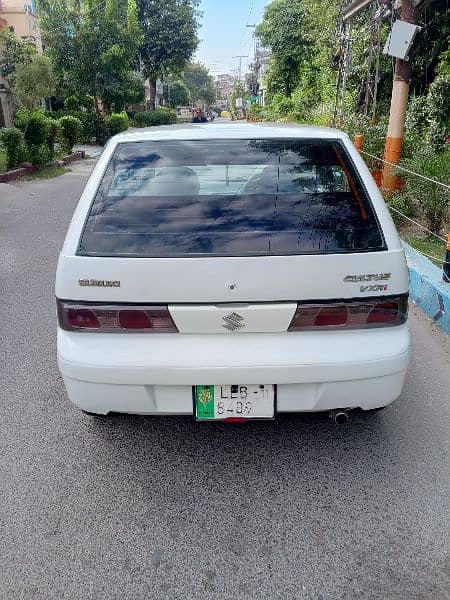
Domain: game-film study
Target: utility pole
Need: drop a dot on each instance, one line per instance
(410, 12)
(240, 57)
(240, 86)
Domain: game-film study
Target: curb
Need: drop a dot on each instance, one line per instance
(427, 288)
(27, 168)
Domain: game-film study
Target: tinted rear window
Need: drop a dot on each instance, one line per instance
(230, 198)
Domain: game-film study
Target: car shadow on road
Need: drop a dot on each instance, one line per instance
(312, 441)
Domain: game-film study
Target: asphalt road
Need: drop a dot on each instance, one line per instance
(164, 508)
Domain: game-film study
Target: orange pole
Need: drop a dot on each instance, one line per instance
(399, 101)
(394, 140)
(359, 142)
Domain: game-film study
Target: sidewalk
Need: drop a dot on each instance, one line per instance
(427, 288)
(89, 149)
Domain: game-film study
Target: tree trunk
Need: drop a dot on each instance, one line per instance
(152, 99)
(288, 87)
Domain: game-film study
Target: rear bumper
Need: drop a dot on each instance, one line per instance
(154, 374)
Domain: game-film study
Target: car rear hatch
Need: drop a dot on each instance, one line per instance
(232, 235)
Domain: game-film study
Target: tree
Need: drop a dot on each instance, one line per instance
(13, 52)
(170, 38)
(199, 83)
(126, 90)
(94, 48)
(178, 94)
(432, 41)
(283, 31)
(34, 81)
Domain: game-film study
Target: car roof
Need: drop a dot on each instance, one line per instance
(208, 131)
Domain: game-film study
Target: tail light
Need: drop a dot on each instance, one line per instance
(75, 316)
(355, 314)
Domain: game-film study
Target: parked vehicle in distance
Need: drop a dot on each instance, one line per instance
(185, 112)
(232, 272)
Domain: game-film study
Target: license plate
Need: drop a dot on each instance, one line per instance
(220, 402)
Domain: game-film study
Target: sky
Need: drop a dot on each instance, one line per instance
(224, 34)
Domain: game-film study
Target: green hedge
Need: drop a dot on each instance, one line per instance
(35, 137)
(117, 123)
(36, 130)
(160, 116)
(53, 130)
(70, 132)
(94, 127)
(13, 142)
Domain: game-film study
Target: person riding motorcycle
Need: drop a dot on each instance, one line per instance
(199, 117)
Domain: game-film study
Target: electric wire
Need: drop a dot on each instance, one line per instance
(443, 240)
(444, 185)
(436, 258)
(245, 27)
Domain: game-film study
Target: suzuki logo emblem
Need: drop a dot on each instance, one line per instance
(233, 322)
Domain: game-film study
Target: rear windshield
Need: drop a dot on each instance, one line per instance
(230, 198)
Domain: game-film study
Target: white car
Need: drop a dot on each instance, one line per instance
(232, 272)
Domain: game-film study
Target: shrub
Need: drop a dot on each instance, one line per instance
(57, 114)
(160, 116)
(256, 111)
(432, 199)
(428, 117)
(417, 117)
(53, 130)
(400, 203)
(436, 135)
(36, 130)
(94, 128)
(374, 137)
(72, 103)
(70, 132)
(22, 117)
(88, 102)
(281, 107)
(117, 123)
(39, 156)
(321, 115)
(13, 142)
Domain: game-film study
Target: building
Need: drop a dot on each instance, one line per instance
(22, 20)
(260, 67)
(6, 106)
(224, 88)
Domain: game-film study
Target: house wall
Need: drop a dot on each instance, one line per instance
(21, 16)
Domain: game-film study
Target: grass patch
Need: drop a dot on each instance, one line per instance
(45, 173)
(428, 245)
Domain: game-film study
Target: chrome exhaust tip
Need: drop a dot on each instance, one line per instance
(339, 416)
